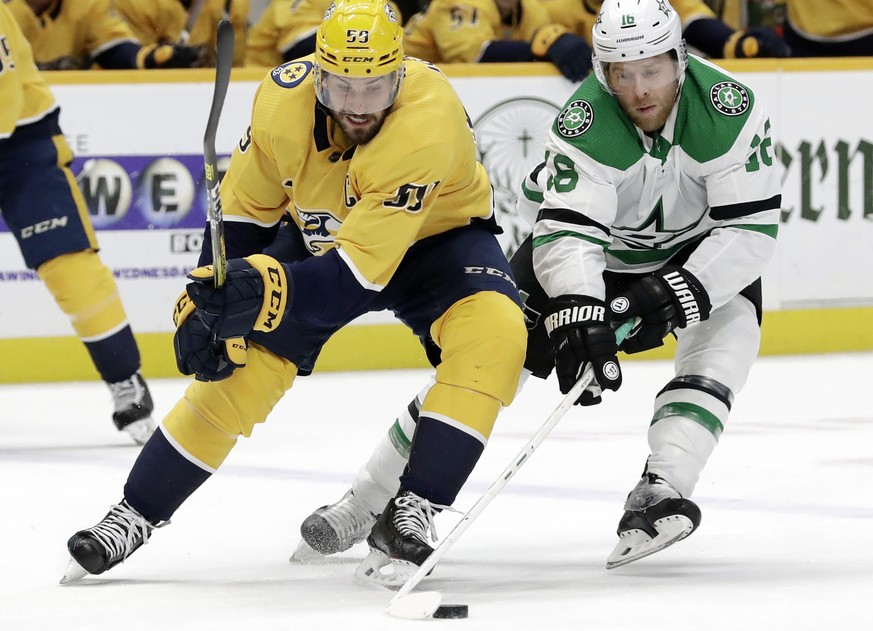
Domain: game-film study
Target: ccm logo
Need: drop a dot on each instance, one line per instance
(43, 226)
(362, 60)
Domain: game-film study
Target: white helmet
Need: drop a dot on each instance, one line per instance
(627, 30)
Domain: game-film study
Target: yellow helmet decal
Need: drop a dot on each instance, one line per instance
(360, 38)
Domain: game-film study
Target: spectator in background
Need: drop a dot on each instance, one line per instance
(163, 22)
(286, 29)
(485, 31)
(837, 28)
(46, 213)
(702, 29)
(76, 35)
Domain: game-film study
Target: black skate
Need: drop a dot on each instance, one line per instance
(399, 541)
(102, 547)
(334, 528)
(656, 516)
(133, 408)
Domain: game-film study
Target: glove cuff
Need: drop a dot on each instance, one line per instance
(544, 37)
(570, 309)
(691, 298)
(741, 45)
(276, 291)
(183, 308)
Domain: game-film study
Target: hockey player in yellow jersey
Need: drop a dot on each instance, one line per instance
(485, 31)
(286, 31)
(163, 22)
(701, 27)
(385, 210)
(74, 35)
(45, 211)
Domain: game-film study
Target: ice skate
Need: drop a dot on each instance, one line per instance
(655, 517)
(133, 408)
(399, 541)
(334, 528)
(102, 547)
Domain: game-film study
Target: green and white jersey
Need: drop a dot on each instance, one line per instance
(614, 198)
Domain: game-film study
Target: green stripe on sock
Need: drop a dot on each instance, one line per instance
(692, 412)
(401, 443)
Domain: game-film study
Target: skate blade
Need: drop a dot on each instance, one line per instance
(140, 431)
(73, 573)
(415, 606)
(379, 570)
(633, 547)
(306, 555)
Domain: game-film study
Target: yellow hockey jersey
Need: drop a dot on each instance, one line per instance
(579, 16)
(73, 30)
(371, 202)
(835, 20)
(24, 93)
(282, 24)
(162, 21)
(456, 31)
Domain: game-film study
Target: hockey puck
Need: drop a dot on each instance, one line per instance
(451, 611)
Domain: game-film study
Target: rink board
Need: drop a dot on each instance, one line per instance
(141, 165)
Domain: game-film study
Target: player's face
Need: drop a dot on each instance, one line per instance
(646, 89)
(358, 95)
(360, 128)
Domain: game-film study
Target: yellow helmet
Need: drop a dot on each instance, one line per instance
(358, 57)
(359, 38)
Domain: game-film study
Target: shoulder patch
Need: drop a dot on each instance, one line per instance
(291, 74)
(575, 119)
(729, 98)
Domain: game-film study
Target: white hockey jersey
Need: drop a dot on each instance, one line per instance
(613, 198)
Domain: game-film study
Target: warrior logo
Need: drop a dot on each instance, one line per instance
(729, 98)
(575, 119)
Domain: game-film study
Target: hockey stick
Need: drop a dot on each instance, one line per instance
(424, 604)
(223, 64)
(193, 14)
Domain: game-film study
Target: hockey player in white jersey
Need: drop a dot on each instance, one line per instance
(658, 201)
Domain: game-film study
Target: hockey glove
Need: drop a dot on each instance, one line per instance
(255, 296)
(197, 352)
(569, 52)
(579, 327)
(759, 41)
(668, 299)
(168, 56)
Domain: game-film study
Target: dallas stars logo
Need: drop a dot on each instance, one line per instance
(664, 7)
(729, 98)
(575, 119)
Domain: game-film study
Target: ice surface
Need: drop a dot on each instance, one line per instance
(783, 543)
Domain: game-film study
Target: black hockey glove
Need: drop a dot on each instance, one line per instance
(169, 56)
(197, 351)
(569, 52)
(668, 299)
(758, 41)
(579, 327)
(255, 297)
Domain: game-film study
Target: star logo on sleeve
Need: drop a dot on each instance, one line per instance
(729, 98)
(575, 119)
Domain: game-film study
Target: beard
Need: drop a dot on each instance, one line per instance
(360, 129)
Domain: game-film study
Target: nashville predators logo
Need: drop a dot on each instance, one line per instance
(319, 228)
(729, 98)
(291, 74)
(575, 119)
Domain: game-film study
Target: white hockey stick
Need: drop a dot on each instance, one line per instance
(424, 604)
(223, 63)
